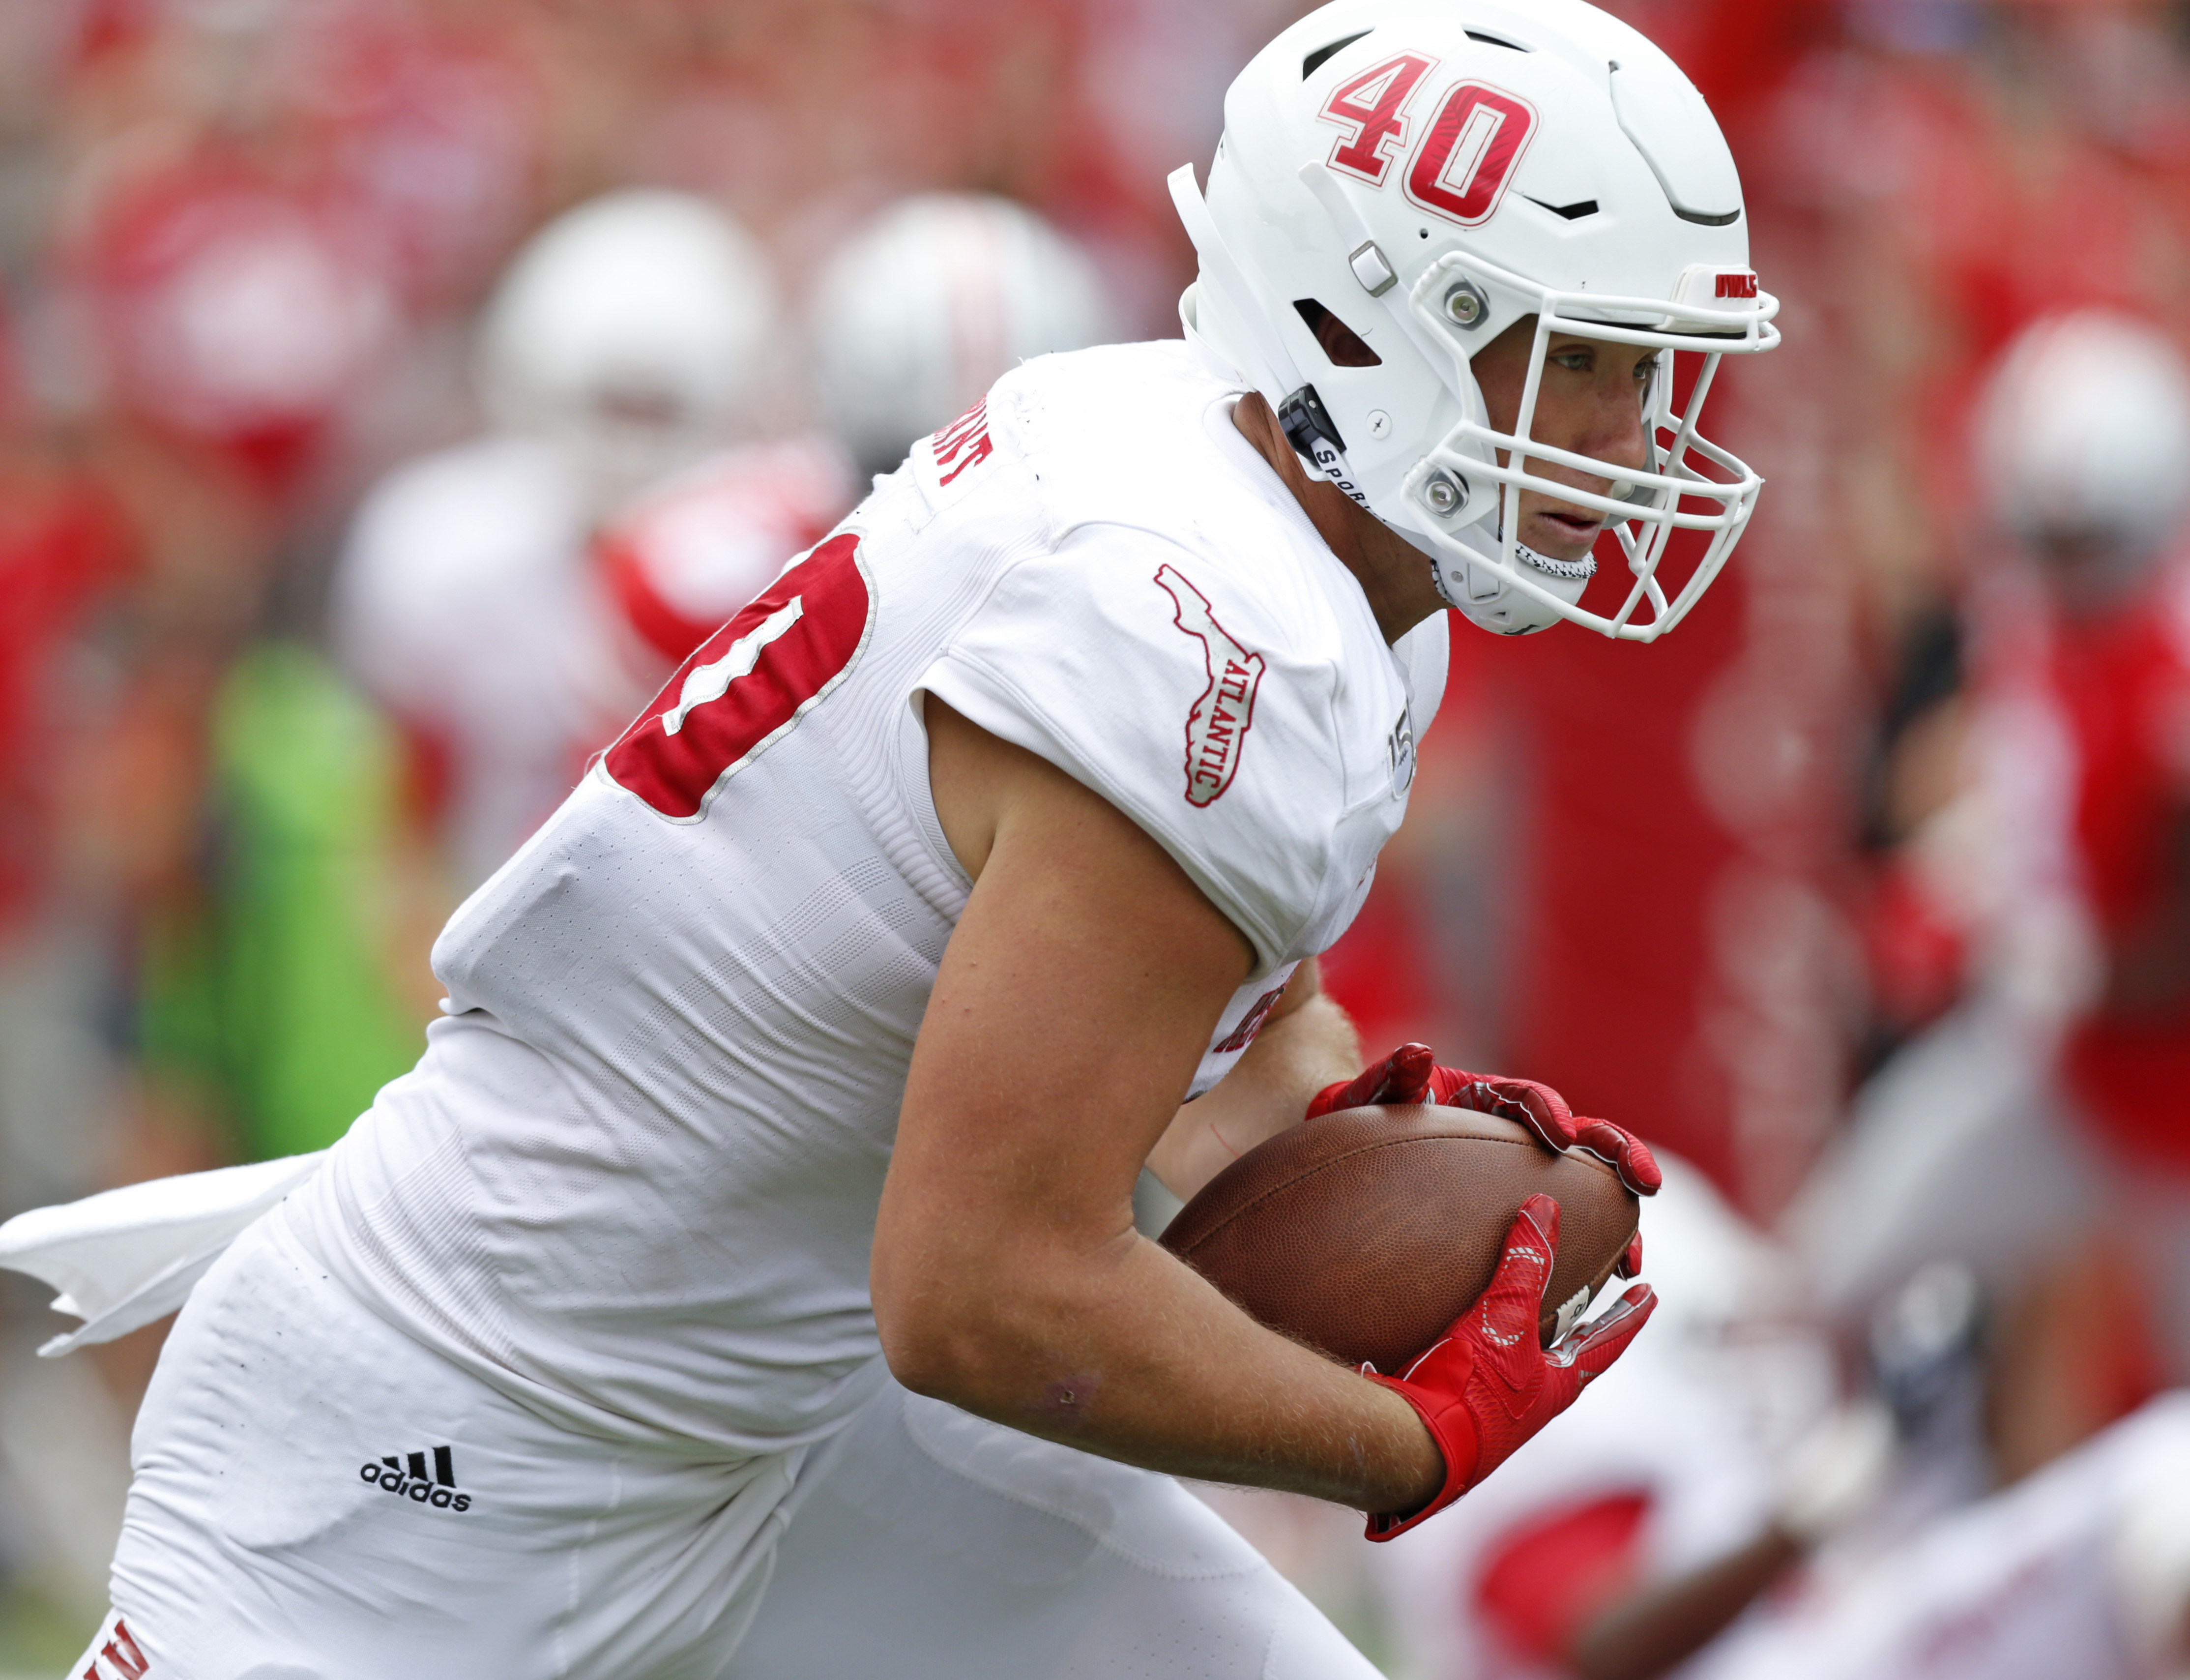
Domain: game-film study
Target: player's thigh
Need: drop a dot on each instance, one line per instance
(938, 1545)
(315, 1494)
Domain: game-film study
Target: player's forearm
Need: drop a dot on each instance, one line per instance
(1654, 1630)
(1127, 1354)
(1294, 1057)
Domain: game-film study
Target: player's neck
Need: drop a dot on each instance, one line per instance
(1392, 574)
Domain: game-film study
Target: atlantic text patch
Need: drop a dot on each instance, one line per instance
(1217, 725)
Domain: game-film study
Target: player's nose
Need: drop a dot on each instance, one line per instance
(1613, 428)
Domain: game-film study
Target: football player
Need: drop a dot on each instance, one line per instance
(2035, 1133)
(773, 1158)
(2082, 1568)
(623, 344)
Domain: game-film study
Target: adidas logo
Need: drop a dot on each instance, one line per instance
(393, 1475)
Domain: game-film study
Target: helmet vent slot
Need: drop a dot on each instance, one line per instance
(1573, 212)
(1341, 343)
(1322, 55)
(1498, 41)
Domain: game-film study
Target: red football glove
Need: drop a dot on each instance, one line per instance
(1626, 1155)
(1410, 1075)
(1489, 1385)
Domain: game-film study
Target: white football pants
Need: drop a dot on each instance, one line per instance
(318, 1497)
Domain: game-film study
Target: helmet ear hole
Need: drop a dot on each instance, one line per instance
(1341, 344)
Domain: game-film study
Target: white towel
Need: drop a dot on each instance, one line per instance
(124, 1258)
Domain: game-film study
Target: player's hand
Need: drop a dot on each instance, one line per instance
(1411, 1074)
(1628, 1157)
(1489, 1385)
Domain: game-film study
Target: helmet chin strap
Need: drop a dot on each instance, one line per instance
(1487, 599)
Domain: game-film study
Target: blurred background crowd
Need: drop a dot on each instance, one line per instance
(392, 391)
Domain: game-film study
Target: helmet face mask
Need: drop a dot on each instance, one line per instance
(1432, 173)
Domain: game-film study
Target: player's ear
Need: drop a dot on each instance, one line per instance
(1344, 346)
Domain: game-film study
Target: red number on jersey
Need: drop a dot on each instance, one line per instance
(748, 683)
(1371, 104)
(1469, 153)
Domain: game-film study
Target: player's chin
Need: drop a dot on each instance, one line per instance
(1561, 534)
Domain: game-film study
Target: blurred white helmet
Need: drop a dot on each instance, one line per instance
(921, 311)
(628, 331)
(1431, 172)
(2084, 435)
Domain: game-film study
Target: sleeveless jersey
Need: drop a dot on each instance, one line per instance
(634, 1177)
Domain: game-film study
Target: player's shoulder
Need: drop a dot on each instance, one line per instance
(1126, 460)
(1134, 433)
(1160, 618)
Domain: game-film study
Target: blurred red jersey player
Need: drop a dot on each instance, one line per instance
(2083, 733)
(2039, 1132)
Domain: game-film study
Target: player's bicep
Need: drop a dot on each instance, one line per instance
(1076, 997)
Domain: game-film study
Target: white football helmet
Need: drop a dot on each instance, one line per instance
(2084, 436)
(918, 314)
(628, 332)
(1431, 172)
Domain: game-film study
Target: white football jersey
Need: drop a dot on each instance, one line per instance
(467, 604)
(634, 1177)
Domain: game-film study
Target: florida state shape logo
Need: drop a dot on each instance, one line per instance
(1217, 727)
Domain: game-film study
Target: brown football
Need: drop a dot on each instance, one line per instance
(1366, 1233)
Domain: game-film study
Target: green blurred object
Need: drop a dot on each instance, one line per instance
(275, 988)
(38, 1634)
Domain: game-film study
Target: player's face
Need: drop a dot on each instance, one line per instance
(1591, 402)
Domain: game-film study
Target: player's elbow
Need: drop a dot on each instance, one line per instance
(928, 1336)
(946, 1355)
(937, 1361)
(965, 1332)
